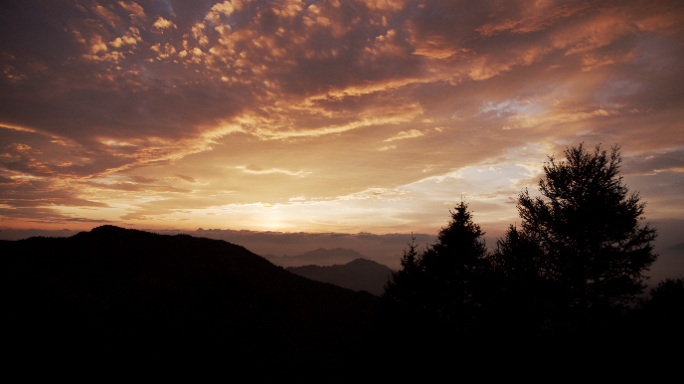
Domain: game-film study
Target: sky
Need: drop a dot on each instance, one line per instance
(344, 116)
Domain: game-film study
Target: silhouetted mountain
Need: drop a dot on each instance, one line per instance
(321, 257)
(359, 275)
(113, 293)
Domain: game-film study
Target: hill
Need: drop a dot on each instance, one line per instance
(116, 293)
(358, 275)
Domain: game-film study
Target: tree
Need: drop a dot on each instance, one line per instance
(404, 286)
(587, 224)
(443, 285)
(521, 291)
(454, 267)
(518, 256)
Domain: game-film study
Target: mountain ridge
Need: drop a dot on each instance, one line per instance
(114, 291)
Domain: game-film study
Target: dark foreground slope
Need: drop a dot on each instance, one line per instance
(358, 275)
(118, 294)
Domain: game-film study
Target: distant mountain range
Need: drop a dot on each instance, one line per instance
(116, 293)
(320, 257)
(358, 275)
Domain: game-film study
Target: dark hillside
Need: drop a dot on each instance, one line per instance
(114, 292)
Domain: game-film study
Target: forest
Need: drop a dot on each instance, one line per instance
(573, 271)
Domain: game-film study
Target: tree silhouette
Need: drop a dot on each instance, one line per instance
(404, 285)
(587, 224)
(454, 267)
(572, 267)
(403, 303)
(521, 291)
(443, 286)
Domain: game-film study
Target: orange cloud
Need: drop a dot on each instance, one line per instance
(137, 12)
(406, 135)
(534, 17)
(162, 24)
(106, 14)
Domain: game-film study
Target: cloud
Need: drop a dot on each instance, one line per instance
(137, 12)
(105, 14)
(23, 193)
(649, 163)
(224, 9)
(42, 215)
(260, 171)
(384, 5)
(187, 178)
(131, 37)
(164, 52)
(162, 24)
(406, 135)
(132, 187)
(146, 108)
(387, 147)
(530, 18)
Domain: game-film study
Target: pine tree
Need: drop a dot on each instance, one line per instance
(454, 267)
(404, 286)
(402, 306)
(442, 288)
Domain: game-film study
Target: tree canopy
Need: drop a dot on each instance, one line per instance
(587, 224)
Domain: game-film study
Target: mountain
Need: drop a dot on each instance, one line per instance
(115, 293)
(358, 275)
(321, 256)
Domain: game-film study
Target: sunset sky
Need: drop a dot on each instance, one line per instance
(327, 116)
